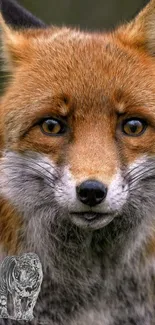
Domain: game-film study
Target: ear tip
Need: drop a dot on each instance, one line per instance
(18, 17)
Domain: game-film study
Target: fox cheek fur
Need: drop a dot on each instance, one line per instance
(32, 182)
(81, 196)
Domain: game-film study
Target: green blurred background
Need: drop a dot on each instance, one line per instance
(88, 14)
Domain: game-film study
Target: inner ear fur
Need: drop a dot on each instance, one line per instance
(140, 32)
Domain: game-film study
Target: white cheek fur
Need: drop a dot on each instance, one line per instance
(117, 192)
(33, 180)
(65, 189)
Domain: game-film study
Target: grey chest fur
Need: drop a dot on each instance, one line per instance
(120, 296)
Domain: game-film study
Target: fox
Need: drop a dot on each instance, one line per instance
(77, 165)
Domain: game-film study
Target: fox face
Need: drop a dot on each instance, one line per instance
(77, 122)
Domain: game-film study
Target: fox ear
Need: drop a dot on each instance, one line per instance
(17, 26)
(141, 31)
(17, 17)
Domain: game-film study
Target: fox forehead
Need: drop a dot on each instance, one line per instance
(89, 70)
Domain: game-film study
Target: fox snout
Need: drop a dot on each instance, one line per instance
(91, 192)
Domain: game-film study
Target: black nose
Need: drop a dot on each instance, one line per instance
(91, 192)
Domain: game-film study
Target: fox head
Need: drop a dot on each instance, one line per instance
(77, 121)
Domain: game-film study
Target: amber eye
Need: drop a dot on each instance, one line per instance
(53, 127)
(134, 127)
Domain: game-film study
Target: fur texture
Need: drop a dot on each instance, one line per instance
(98, 270)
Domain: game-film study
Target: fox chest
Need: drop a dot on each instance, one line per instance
(127, 303)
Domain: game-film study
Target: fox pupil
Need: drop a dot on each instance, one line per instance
(133, 127)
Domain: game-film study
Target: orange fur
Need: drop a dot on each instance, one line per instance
(10, 229)
(99, 76)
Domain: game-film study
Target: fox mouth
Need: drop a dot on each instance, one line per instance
(92, 216)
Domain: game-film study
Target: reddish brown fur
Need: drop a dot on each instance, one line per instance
(11, 229)
(90, 79)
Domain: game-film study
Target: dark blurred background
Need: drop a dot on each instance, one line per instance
(89, 14)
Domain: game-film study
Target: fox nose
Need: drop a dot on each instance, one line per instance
(91, 192)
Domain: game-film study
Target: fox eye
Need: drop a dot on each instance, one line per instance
(134, 127)
(53, 127)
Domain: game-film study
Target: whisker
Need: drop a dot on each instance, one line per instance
(134, 188)
(130, 172)
(36, 163)
(140, 175)
(48, 179)
(18, 164)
